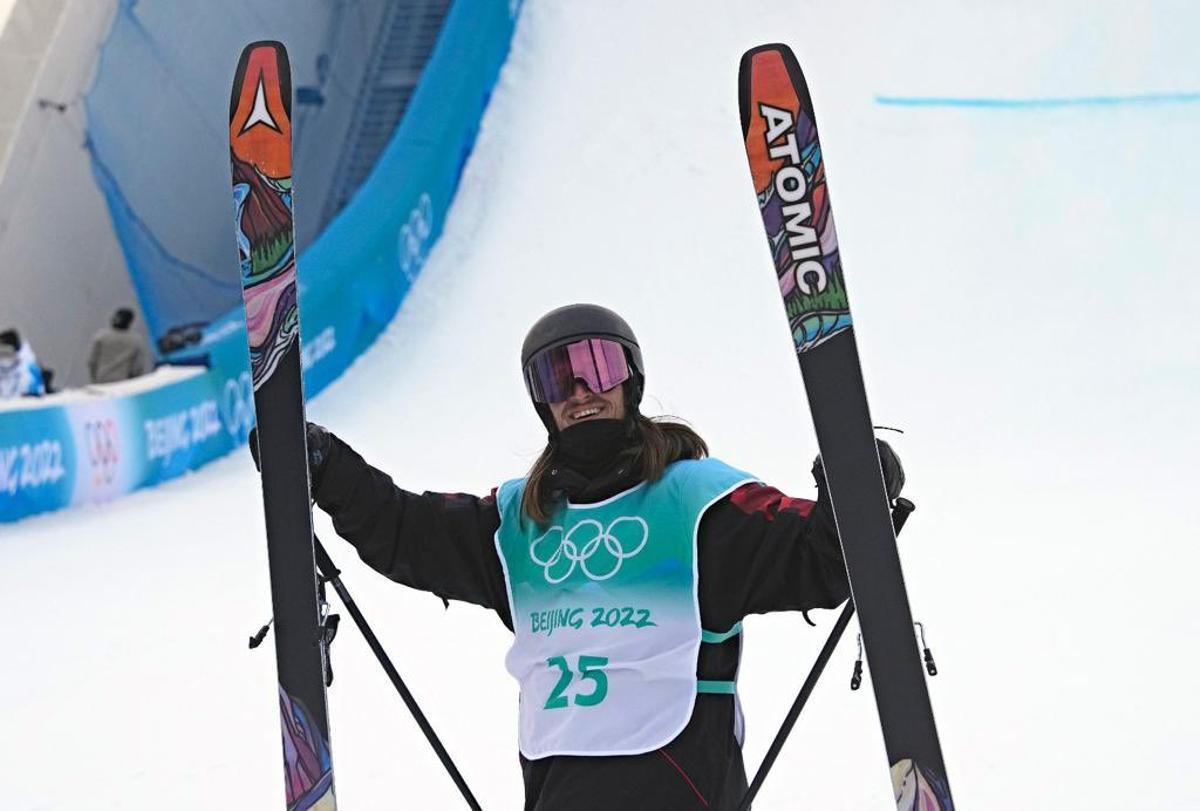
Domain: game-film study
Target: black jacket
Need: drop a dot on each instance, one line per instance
(759, 551)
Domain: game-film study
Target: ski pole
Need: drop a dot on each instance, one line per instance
(331, 574)
(900, 512)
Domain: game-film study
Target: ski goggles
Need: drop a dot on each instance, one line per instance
(600, 363)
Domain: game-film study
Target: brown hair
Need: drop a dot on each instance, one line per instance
(664, 440)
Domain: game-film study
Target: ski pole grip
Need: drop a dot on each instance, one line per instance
(257, 639)
(324, 562)
(901, 510)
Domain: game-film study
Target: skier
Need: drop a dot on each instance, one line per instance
(624, 563)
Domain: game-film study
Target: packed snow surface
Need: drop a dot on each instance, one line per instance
(1025, 294)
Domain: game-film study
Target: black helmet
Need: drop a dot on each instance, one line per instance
(575, 322)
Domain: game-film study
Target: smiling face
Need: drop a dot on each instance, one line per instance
(584, 404)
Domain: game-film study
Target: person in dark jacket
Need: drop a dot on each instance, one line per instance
(624, 563)
(117, 353)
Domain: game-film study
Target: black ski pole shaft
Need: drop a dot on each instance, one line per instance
(801, 699)
(900, 514)
(333, 575)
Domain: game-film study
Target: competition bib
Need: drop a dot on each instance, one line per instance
(606, 614)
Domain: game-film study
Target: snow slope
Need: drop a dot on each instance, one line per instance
(1024, 289)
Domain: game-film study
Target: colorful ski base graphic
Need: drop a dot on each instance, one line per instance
(260, 145)
(308, 766)
(789, 177)
(784, 154)
(919, 789)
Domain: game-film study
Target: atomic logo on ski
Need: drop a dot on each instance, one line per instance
(787, 167)
(260, 114)
(260, 143)
(789, 177)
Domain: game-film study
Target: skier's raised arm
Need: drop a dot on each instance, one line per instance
(762, 550)
(437, 542)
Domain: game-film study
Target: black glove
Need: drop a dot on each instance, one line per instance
(319, 442)
(893, 472)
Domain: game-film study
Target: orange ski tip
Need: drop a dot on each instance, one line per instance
(769, 86)
(260, 121)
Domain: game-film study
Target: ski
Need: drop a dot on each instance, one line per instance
(260, 145)
(782, 146)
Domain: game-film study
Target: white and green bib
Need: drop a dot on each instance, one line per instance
(606, 612)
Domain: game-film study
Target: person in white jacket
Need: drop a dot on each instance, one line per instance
(20, 374)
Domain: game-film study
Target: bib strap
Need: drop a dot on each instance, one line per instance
(715, 638)
(720, 687)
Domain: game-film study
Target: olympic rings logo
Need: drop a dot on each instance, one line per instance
(237, 405)
(414, 236)
(578, 551)
(104, 450)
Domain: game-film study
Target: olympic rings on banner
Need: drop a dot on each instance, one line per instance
(237, 406)
(414, 236)
(104, 450)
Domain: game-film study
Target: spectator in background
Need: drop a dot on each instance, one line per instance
(20, 374)
(117, 353)
(10, 370)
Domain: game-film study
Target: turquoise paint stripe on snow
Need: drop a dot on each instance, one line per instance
(720, 688)
(1146, 99)
(714, 638)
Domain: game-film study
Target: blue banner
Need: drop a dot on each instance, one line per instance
(352, 280)
(100, 447)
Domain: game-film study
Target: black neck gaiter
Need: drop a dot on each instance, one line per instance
(590, 448)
